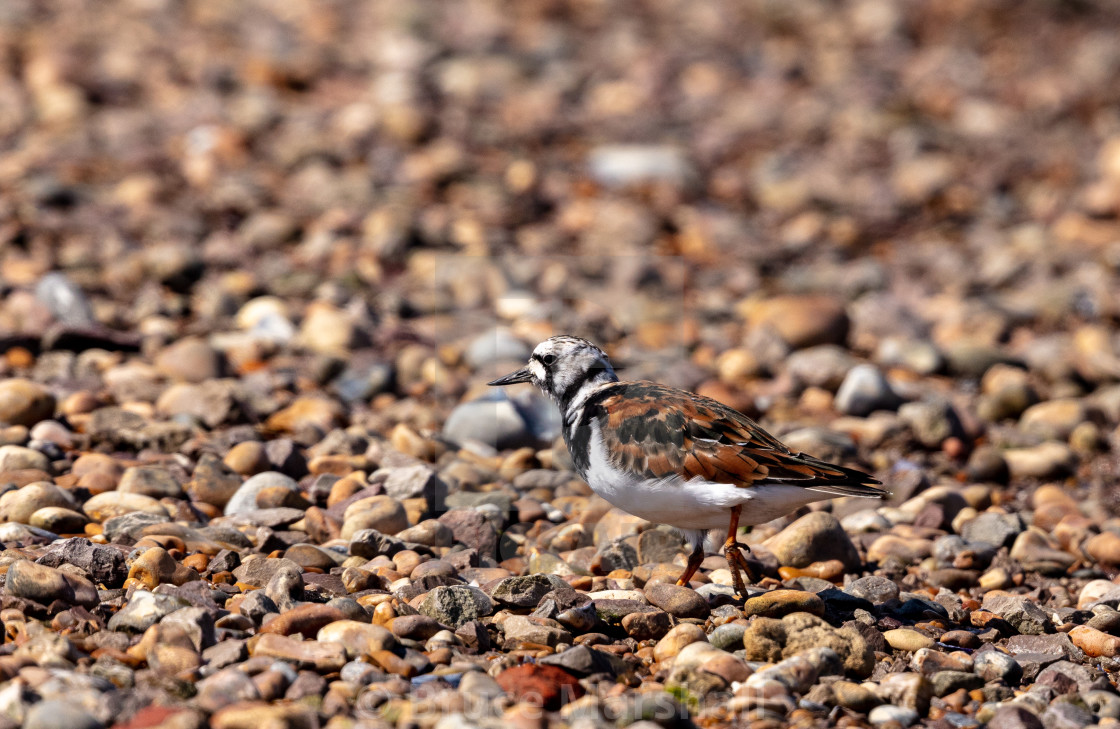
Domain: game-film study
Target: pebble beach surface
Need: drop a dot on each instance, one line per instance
(258, 259)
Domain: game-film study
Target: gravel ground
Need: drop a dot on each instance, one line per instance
(257, 260)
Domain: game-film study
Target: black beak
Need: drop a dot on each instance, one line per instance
(522, 375)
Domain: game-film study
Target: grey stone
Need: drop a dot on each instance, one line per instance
(572, 609)
(582, 661)
(456, 604)
(992, 665)
(259, 571)
(618, 555)
(65, 300)
(493, 420)
(370, 543)
(60, 714)
(131, 526)
(1024, 615)
(497, 345)
(256, 605)
(1014, 717)
(728, 636)
(946, 682)
(876, 589)
(1066, 715)
(865, 389)
(992, 528)
(472, 529)
(522, 629)
(409, 482)
(932, 422)
(526, 590)
(144, 610)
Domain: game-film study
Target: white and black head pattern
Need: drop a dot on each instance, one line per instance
(562, 366)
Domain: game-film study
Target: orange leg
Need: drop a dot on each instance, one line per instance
(735, 560)
(694, 561)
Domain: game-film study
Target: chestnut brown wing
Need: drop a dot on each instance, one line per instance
(660, 432)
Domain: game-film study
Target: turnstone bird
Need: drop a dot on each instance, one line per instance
(673, 457)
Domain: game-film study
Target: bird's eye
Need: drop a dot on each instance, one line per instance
(548, 359)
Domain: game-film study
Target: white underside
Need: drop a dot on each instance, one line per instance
(694, 506)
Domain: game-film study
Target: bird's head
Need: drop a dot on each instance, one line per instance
(561, 365)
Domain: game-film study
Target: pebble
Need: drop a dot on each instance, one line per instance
(23, 402)
(892, 715)
(815, 537)
(905, 639)
(245, 497)
(864, 390)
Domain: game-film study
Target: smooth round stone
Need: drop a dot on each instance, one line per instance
(678, 601)
(52, 431)
(905, 639)
(189, 360)
(728, 636)
(776, 603)
(493, 420)
(23, 402)
(888, 714)
(497, 345)
(110, 504)
(247, 458)
(18, 505)
(873, 588)
(59, 714)
(18, 458)
(864, 390)
(381, 513)
(676, 639)
(59, 520)
(307, 411)
(245, 498)
(815, 537)
(308, 555)
(358, 638)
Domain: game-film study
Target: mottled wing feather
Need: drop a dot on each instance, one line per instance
(661, 432)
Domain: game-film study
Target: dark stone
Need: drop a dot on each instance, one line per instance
(583, 661)
(946, 682)
(472, 529)
(130, 526)
(102, 563)
(570, 608)
(284, 456)
(369, 543)
(618, 555)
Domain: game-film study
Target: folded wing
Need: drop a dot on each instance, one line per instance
(661, 432)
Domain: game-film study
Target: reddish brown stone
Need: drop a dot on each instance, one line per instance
(546, 686)
(304, 619)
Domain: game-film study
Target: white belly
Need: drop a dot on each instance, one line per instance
(694, 504)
